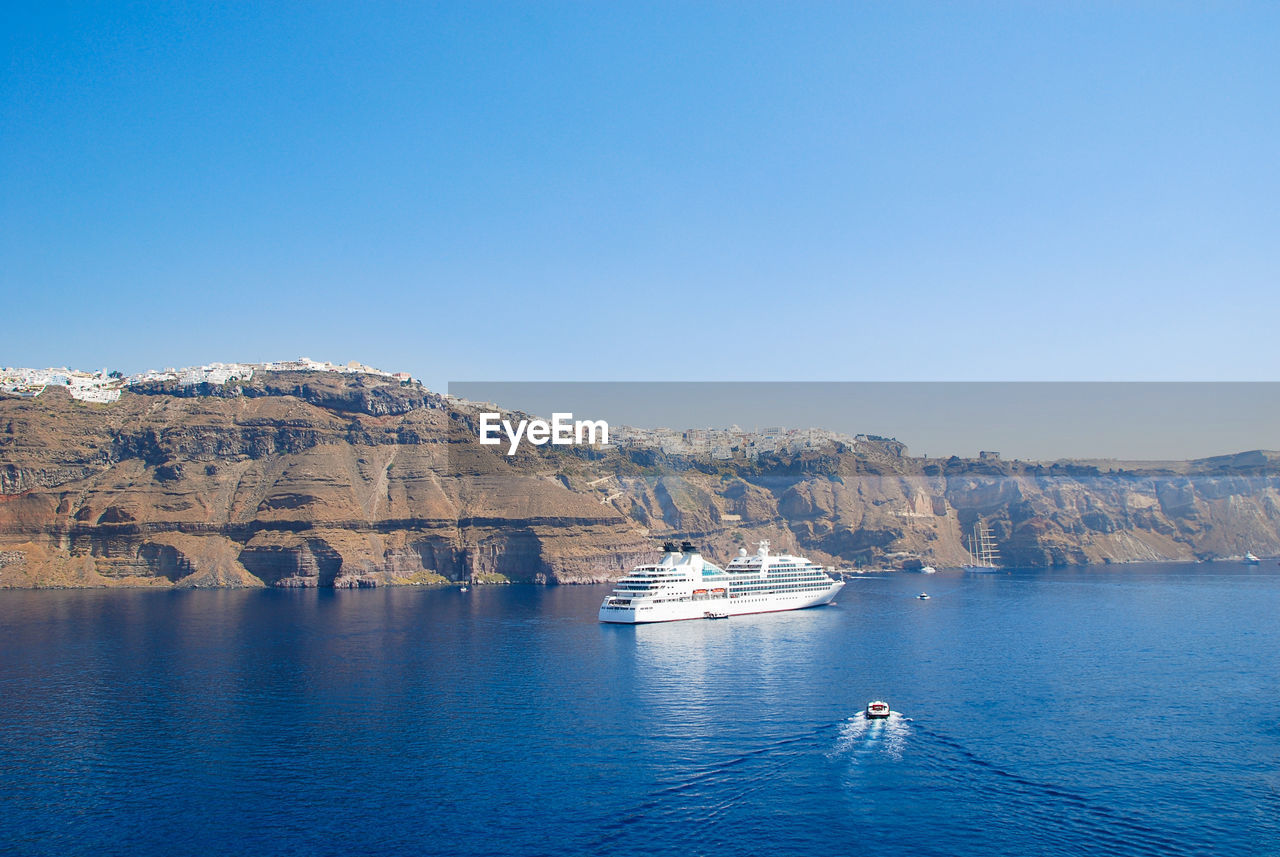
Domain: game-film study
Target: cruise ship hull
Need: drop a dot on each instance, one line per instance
(674, 611)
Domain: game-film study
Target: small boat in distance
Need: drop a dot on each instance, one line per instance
(877, 710)
(1250, 559)
(928, 569)
(923, 596)
(462, 589)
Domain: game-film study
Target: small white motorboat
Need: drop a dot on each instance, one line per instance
(928, 569)
(877, 710)
(923, 596)
(463, 589)
(1250, 559)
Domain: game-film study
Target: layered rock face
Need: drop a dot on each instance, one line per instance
(302, 481)
(315, 479)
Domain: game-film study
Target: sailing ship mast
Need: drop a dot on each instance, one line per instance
(983, 547)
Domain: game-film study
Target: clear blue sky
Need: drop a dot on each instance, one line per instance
(617, 191)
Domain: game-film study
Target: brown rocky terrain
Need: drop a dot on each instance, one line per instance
(321, 479)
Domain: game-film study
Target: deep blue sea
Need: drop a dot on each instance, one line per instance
(1111, 710)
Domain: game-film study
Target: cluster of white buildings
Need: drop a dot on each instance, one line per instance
(306, 364)
(105, 387)
(86, 386)
(733, 442)
(214, 373)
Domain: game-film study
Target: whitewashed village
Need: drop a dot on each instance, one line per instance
(723, 444)
(105, 387)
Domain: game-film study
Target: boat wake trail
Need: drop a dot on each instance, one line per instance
(859, 737)
(1047, 807)
(707, 794)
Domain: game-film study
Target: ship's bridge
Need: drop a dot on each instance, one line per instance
(682, 575)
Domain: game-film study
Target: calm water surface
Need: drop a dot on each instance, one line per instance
(1135, 710)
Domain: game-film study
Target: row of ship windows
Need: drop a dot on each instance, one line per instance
(774, 580)
(814, 572)
(770, 586)
(758, 596)
(666, 600)
(752, 596)
(755, 566)
(773, 573)
(777, 587)
(779, 590)
(709, 581)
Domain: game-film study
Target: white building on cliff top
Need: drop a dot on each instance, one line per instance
(84, 386)
(101, 387)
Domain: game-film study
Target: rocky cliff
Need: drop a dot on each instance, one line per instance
(319, 479)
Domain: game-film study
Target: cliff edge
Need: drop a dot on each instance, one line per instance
(300, 478)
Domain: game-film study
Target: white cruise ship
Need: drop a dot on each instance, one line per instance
(685, 586)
